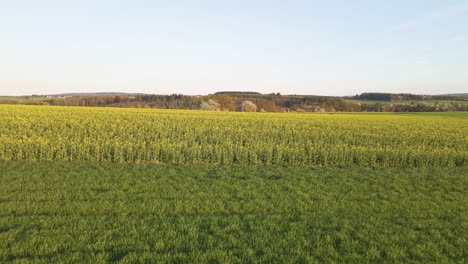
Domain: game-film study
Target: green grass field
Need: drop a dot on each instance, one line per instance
(429, 102)
(22, 99)
(103, 212)
(107, 185)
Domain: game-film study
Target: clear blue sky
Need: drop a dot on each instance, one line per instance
(200, 47)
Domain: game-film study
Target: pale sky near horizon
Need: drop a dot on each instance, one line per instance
(200, 47)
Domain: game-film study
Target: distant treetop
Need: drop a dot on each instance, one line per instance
(237, 93)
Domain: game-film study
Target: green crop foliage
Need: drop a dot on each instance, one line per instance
(87, 212)
(40, 133)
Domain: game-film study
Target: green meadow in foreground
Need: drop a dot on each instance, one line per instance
(92, 212)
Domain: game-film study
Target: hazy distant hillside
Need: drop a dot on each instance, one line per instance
(456, 94)
(96, 94)
(408, 97)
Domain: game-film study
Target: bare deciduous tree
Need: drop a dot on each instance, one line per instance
(248, 106)
(211, 105)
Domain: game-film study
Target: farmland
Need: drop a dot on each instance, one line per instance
(104, 185)
(103, 212)
(200, 137)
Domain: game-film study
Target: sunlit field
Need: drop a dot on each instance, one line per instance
(201, 137)
(167, 186)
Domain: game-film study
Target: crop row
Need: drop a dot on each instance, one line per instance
(39, 133)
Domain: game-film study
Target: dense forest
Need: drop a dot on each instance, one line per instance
(253, 101)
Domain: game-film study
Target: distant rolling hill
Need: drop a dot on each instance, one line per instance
(456, 94)
(96, 94)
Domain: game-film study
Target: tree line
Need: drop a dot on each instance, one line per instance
(255, 102)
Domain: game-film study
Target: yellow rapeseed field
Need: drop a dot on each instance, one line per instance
(42, 133)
